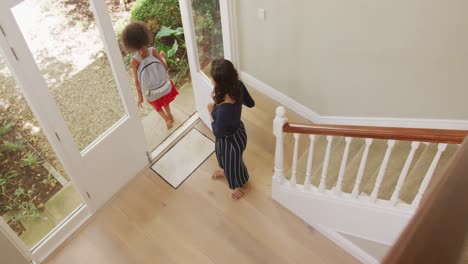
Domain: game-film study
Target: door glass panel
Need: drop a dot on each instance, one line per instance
(67, 47)
(208, 32)
(36, 194)
(160, 16)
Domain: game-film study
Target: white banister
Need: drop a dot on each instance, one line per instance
(382, 170)
(427, 178)
(362, 166)
(344, 160)
(325, 164)
(309, 162)
(292, 181)
(404, 173)
(278, 124)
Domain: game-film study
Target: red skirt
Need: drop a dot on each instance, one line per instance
(165, 100)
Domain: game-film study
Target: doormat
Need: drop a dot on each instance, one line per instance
(184, 158)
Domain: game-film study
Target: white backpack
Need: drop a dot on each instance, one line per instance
(153, 78)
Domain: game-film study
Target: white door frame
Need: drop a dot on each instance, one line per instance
(39, 253)
(229, 27)
(15, 240)
(90, 169)
(56, 130)
(201, 83)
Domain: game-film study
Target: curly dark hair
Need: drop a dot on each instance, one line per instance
(226, 81)
(135, 36)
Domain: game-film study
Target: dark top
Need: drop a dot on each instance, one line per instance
(227, 117)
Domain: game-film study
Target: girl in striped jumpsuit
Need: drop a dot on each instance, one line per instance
(231, 138)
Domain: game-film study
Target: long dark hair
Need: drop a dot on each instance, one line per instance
(226, 81)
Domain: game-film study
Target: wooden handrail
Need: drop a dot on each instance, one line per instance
(395, 133)
(437, 232)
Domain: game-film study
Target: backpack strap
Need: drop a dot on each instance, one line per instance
(138, 56)
(150, 50)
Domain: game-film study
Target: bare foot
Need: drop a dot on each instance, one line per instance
(171, 117)
(218, 174)
(169, 123)
(240, 192)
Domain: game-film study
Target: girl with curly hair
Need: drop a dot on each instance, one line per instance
(136, 37)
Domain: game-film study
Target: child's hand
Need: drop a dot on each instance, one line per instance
(140, 101)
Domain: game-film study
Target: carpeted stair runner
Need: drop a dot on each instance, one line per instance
(422, 160)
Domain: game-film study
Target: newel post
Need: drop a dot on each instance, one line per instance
(278, 124)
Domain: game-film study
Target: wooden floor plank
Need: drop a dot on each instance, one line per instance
(150, 222)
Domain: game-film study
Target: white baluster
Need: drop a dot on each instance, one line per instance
(428, 176)
(292, 182)
(343, 166)
(278, 124)
(362, 166)
(382, 170)
(309, 162)
(404, 173)
(325, 164)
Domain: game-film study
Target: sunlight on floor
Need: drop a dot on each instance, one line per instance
(182, 108)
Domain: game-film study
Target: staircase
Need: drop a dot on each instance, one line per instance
(355, 181)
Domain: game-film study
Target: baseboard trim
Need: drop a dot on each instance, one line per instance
(315, 117)
(281, 98)
(347, 245)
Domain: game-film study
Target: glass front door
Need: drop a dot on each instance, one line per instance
(207, 33)
(69, 51)
(67, 64)
(81, 121)
(36, 193)
(165, 25)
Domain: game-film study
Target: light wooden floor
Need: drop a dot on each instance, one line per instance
(150, 222)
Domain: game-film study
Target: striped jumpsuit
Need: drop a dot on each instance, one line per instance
(231, 139)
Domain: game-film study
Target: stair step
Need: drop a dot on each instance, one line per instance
(443, 162)
(417, 155)
(395, 166)
(335, 163)
(418, 168)
(417, 173)
(320, 145)
(374, 160)
(352, 169)
(336, 154)
(413, 181)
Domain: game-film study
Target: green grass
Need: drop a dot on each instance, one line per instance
(6, 128)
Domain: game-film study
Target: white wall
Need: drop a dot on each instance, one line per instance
(362, 58)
